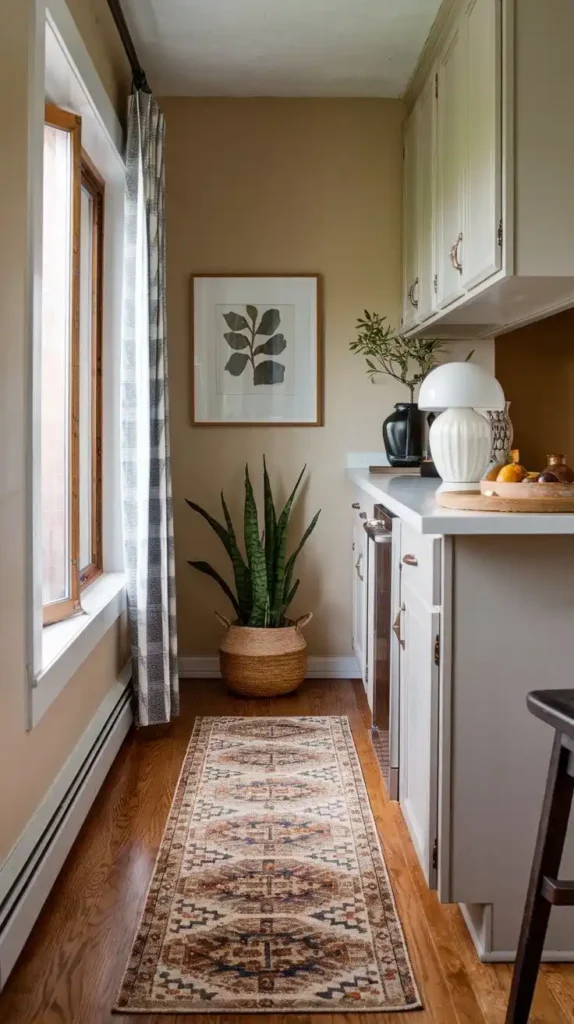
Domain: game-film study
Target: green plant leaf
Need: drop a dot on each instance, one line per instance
(288, 601)
(208, 570)
(252, 313)
(269, 322)
(240, 569)
(214, 523)
(235, 322)
(237, 341)
(267, 372)
(280, 549)
(272, 347)
(236, 363)
(255, 557)
(270, 528)
(290, 564)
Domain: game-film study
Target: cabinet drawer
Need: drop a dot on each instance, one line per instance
(420, 563)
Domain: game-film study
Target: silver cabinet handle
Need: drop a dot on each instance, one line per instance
(358, 567)
(397, 626)
(356, 504)
(456, 264)
(414, 302)
(410, 560)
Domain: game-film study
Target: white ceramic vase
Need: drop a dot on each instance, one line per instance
(460, 441)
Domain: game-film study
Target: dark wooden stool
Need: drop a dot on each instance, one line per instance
(545, 890)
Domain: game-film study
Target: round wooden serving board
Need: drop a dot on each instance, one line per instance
(474, 501)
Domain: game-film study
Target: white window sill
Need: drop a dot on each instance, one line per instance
(66, 645)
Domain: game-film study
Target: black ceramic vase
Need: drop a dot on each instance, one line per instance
(403, 435)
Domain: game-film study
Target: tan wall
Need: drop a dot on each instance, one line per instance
(29, 762)
(282, 185)
(535, 366)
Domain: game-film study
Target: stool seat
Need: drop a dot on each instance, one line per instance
(545, 889)
(556, 707)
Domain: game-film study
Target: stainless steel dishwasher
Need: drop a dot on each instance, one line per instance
(384, 702)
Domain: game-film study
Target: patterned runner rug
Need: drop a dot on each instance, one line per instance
(270, 893)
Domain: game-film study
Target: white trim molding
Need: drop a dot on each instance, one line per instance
(32, 867)
(317, 668)
(67, 644)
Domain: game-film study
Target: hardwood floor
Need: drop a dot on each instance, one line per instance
(71, 967)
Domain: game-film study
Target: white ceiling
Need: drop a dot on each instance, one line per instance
(279, 47)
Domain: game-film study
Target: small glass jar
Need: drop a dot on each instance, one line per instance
(557, 466)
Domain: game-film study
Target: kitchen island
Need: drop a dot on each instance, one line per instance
(483, 613)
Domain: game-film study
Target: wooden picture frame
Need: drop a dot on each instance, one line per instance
(279, 380)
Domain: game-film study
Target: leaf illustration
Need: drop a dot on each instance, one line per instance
(272, 347)
(267, 372)
(269, 322)
(236, 322)
(252, 313)
(237, 363)
(236, 340)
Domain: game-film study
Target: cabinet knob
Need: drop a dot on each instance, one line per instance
(356, 504)
(362, 515)
(410, 560)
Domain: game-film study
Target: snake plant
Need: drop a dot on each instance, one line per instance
(264, 585)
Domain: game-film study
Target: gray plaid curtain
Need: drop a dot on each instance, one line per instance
(146, 470)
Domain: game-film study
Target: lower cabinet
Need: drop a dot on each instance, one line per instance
(419, 657)
(360, 594)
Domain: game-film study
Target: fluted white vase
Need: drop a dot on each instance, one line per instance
(460, 441)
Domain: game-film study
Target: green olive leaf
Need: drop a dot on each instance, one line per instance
(269, 322)
(252, 313)
(236, 364)
(272, 347)
(236, 340)
(268, 372)
(235, 321)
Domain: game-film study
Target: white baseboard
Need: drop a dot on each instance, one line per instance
(317, 668)
(33, 865)
(501, 956)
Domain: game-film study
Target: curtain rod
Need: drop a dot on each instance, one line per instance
(138, 74)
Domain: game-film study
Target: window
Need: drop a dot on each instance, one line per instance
(71, 367)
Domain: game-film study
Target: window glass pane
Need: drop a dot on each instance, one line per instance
(85, 426)
(56, 303)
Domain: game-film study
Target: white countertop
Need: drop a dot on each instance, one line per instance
(412, 498)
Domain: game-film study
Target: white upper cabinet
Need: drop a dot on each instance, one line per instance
(411, 205)
(425, 293)
(489, 144)
(482, 231)
(450, 92)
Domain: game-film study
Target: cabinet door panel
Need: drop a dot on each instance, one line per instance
(483, 185)
(424, 293)
(450, 85)
(360, 596)
(419, 725)
(410, 220)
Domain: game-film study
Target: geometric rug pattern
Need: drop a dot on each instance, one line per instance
(270, 893)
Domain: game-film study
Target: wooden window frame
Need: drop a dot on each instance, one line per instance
(72, 124)
(92, 182)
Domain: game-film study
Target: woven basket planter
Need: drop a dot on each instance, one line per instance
(263, 662)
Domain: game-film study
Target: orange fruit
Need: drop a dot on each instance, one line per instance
(511, 474)
(492, 473)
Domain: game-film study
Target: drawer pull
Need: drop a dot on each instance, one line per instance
(356, 504)
(410, 560)
(358, 567)
(362, 515)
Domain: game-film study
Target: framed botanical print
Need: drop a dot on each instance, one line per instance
(257, 349)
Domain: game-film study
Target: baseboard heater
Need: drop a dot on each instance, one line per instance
(31, 869)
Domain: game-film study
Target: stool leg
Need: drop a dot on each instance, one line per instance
(547, 857)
